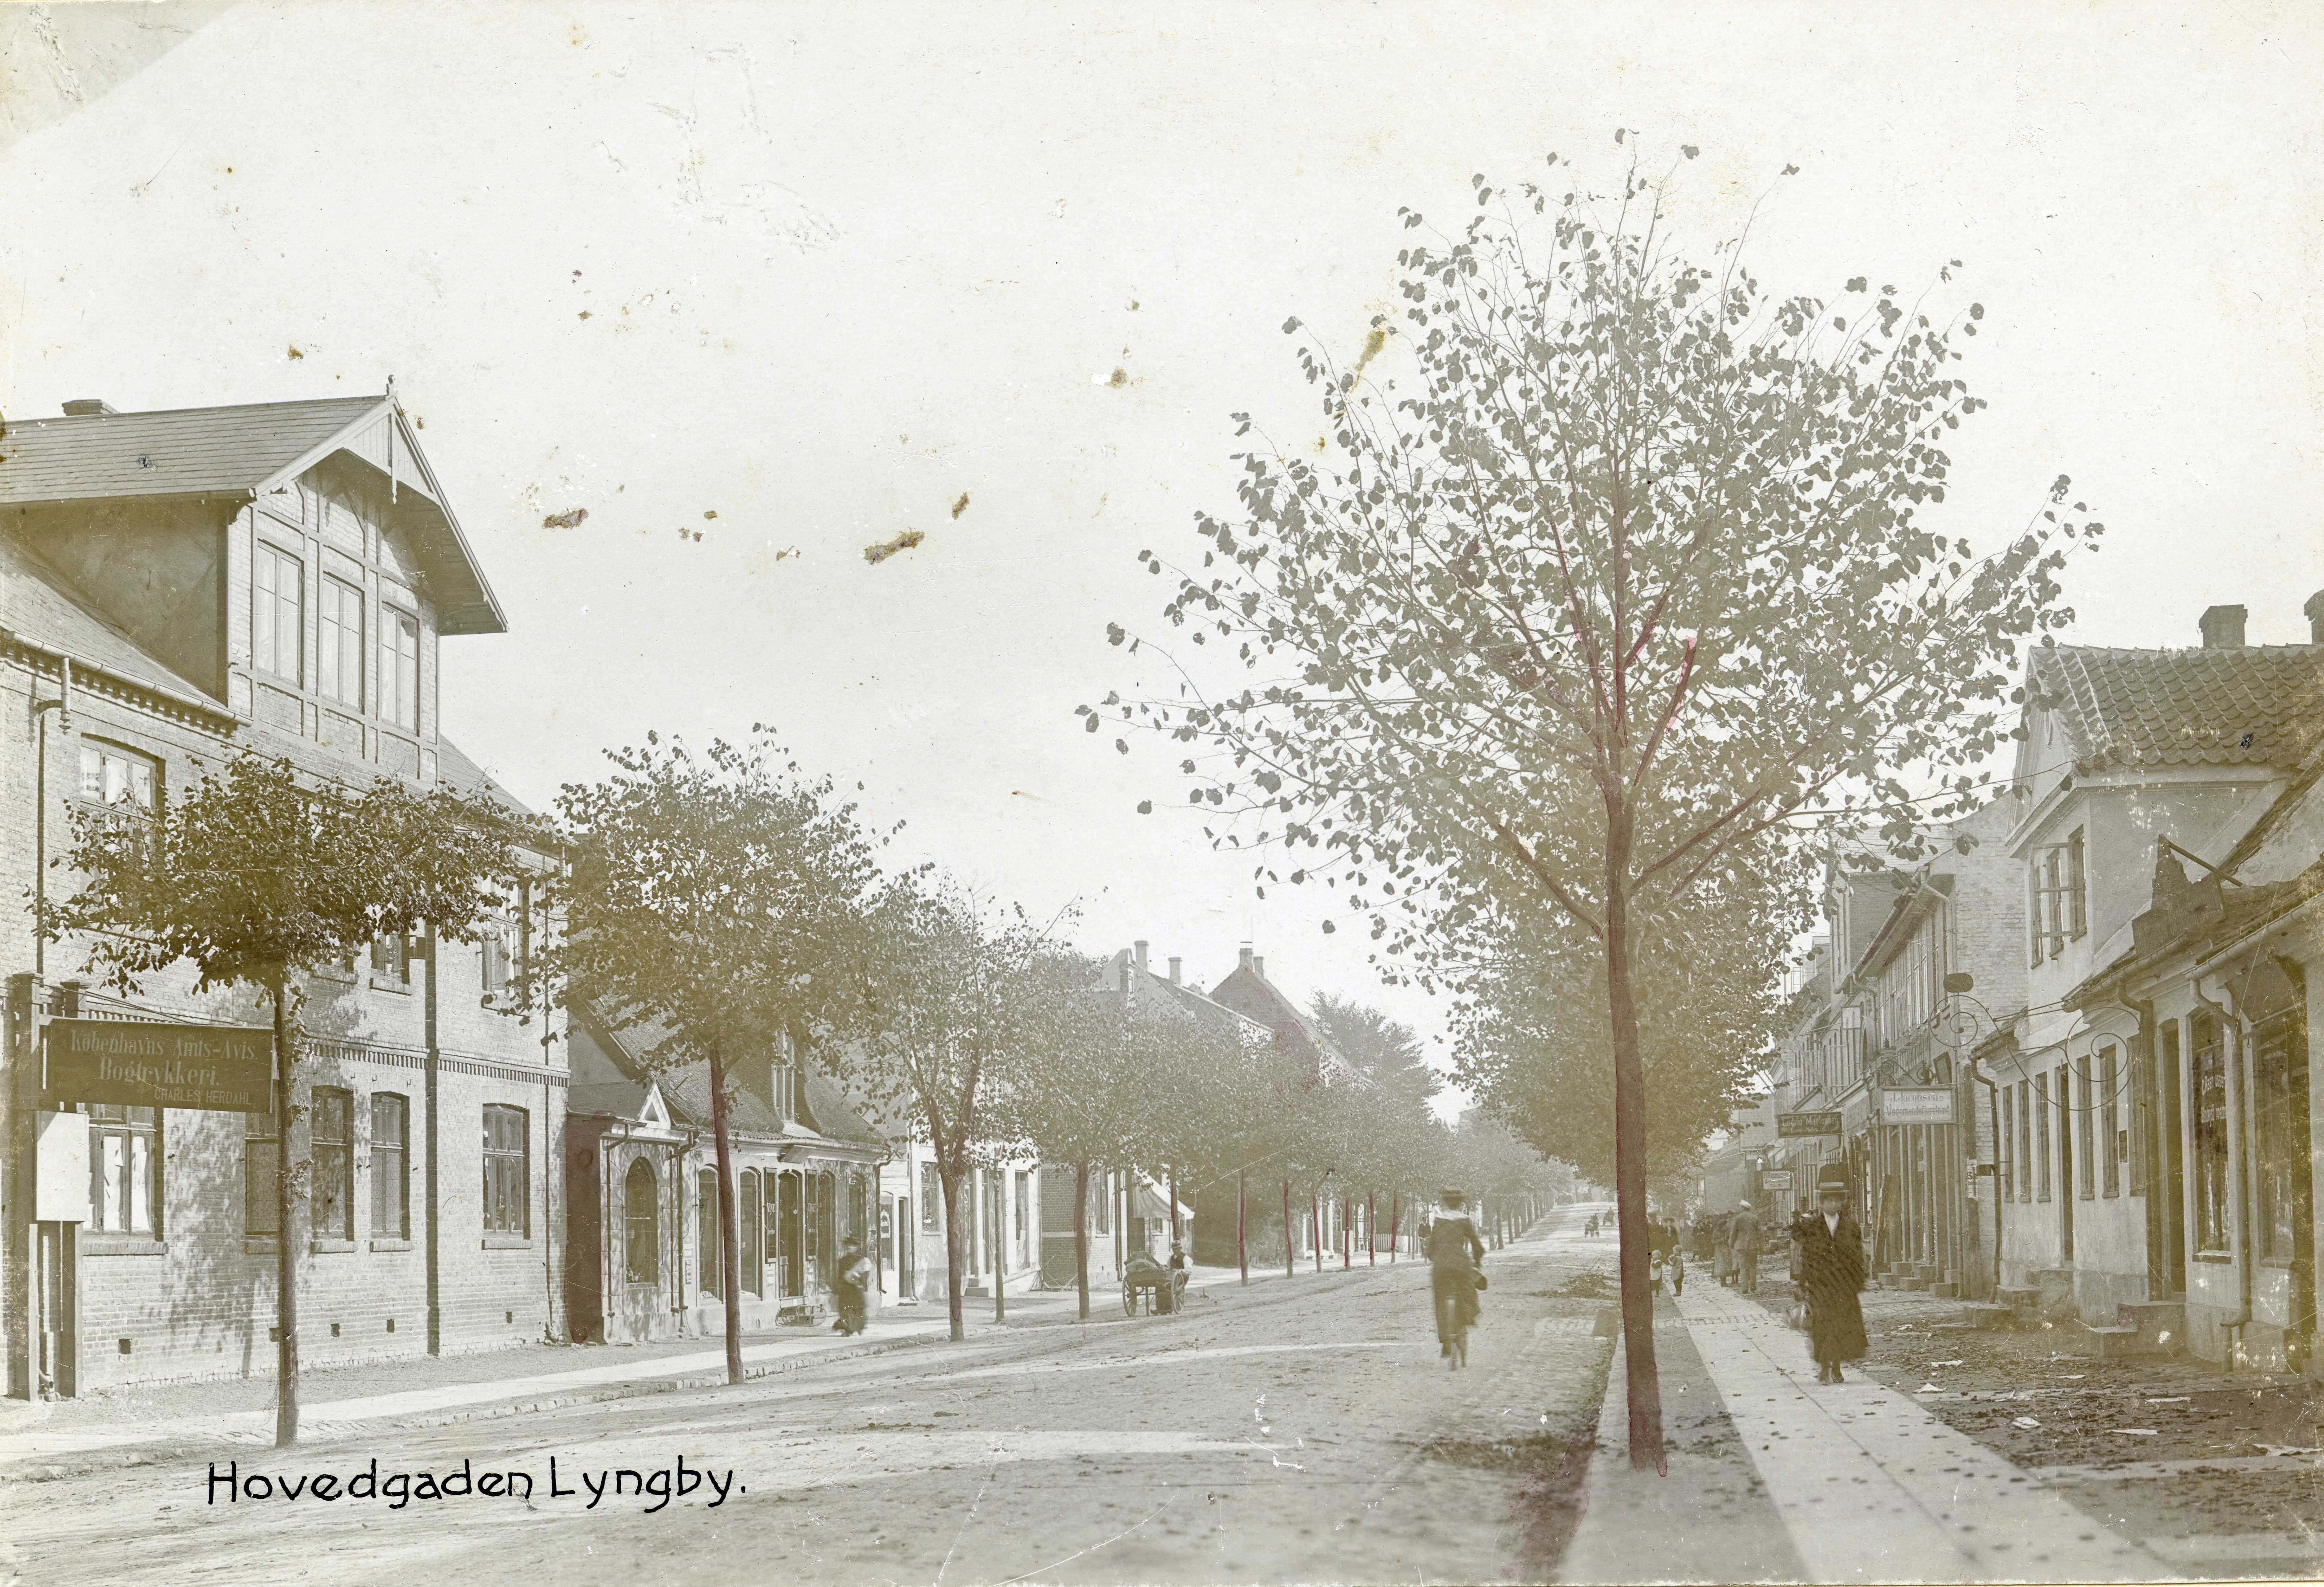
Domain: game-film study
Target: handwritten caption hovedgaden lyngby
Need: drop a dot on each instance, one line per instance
(396, 1489)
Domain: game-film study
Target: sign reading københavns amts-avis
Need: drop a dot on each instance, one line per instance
(1788, 1125)
(225, 1068)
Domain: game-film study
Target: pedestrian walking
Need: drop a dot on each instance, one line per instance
(1832, 1276)
(1743, 1234)
(1722, 1244)
(848, 1285)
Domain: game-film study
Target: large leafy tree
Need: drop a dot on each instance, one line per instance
(1612, 564)
(948, 990)
(256, 876)
(1388, 1050)
(724, 898)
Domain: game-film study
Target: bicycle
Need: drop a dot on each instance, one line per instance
(1453, 1324)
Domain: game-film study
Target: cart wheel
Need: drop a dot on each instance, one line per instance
(1128, 1301)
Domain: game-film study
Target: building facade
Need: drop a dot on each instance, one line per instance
(175, 588)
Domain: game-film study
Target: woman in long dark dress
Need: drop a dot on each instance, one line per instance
(1832, 1276)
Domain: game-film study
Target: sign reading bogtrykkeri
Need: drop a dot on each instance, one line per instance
(225, 1068)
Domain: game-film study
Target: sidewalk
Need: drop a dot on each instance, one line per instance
(32, 1435)
(1863, 1484)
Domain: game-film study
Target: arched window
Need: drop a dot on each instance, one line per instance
(642, 1224)
(752, 1269)
(706, 1201)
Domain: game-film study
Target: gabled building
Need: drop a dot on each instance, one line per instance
(176, 587)
(644, 1244)
(2157, 1153)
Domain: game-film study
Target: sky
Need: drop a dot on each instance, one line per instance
(758, 286)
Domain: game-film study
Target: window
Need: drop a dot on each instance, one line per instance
(2042, 1136)
(859, 1208)
(340, 647)
(2279, 1136)
(334, 1195)
(2025, 1143)
(2005, 1143)
(261, 1151)
(111, 775)
(391, 958)
(2084, 1125)
(1908, 984)
(931, 1198)
(752, 1265)
(1024, 1219)
(508, 1201)
(391, 1184)
(124, 1170)
(786, 1087)
(2061, 908)
(2209, 1075)
(1101, 1189)
(2113, 1144)
(399, 668)
(278, 608)
(642, 1224)
(706, 1229)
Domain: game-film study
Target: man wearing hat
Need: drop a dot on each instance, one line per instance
(1743, 1236)
(1832, 1275)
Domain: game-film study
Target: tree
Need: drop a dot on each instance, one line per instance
(1081, 1089)
(723, 898)
(1532, 1040)
(257, 876)
(945, 988)
(1388, 1050)
(1610, 569)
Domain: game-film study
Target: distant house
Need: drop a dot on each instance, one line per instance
(643, 1246)
(176, 587)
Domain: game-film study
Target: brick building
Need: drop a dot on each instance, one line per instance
(176, 586)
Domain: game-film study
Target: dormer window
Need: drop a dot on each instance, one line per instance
(278, 629)
(339, 655)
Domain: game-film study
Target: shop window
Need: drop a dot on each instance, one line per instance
(642, 1224)
(333, 1196)
(2280, 1136)
(390, 1180)
(508, 1181)
(2207, 1068)
(261, 1151)
(124, 1170)
(706, 1242)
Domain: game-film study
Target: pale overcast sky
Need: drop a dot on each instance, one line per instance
(821, 270)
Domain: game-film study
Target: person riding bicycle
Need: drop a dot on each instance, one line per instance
(1455, 1255)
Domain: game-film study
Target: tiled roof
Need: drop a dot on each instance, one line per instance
(685, 1087)
(37, 606)
(2226, 706)
(181, 452)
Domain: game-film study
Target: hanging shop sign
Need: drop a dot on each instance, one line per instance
(223, 1068)
(1916, 1104)
(1791, 1125)
(1775, 1180)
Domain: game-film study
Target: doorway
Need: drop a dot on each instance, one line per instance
(2063, 1082)
(2171, 1268)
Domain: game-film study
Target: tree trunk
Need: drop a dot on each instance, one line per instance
(1395, 1219)
(955, 1248)
(1000, 1245)
(1630, 1182)
(730, 1243)
(286, 1244)
(1242, 1226)
(1371, 1230)
(1315, 1222)
(1081, 1234)
(1290, 1246)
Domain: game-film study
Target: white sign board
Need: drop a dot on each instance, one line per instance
(60, 1168)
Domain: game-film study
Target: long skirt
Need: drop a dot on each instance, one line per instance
(1835, 1325)
(1455, 1294)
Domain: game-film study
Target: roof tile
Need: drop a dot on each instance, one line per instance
(2239, 705)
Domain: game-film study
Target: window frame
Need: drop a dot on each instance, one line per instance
(266, 603)
(2085, 1128)
(709, 1263)
(398, 666)
(2212, 1231)
(500, 1177)
(2109, 1120)
(931, 1200)
(133, 761)
(391, 1167)
(2042, 1143)
(641, 1257)
(331, 1158)
(134, 1128)
(331, 658)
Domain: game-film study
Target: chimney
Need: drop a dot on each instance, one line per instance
(1139, 948)
(2315, 610)
(1173, 970)
(1245, 962)
(87, 407)
(2223, 628)
(1259, 968)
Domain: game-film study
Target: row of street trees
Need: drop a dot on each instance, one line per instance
(737, 905)
(1614, 575)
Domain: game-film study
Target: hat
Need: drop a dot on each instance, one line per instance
(1831, 1179)
(1744, 1205)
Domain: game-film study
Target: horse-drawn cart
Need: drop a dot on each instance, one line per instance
(1156, 1288)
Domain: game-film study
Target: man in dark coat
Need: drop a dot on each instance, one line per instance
(1832, 1276)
